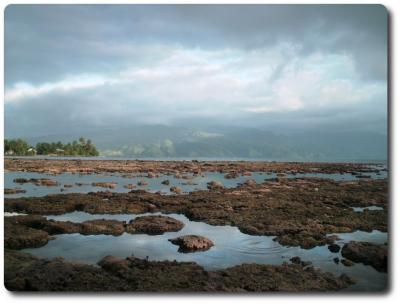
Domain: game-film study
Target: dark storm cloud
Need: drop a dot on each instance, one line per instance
(169, 62)
(63, 39)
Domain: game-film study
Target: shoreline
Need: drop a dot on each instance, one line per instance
(57, 166)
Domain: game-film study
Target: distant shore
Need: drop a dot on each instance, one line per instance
(84, 165)
(236, 159)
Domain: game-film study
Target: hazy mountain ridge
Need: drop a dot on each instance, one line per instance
(172, 141)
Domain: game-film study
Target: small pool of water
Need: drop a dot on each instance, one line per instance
(361, 209)
(376, 236)
(232, 247)
(154, 184)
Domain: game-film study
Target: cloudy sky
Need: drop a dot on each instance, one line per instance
(82, 67)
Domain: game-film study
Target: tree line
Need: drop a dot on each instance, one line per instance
(81, 147)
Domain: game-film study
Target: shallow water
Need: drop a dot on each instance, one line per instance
(154, 184)
(361, 209)
(232, 247)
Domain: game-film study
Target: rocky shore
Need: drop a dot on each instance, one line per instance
(24, 272)
(304, 212)
(178, 168)
(298, 212)
(35, 230)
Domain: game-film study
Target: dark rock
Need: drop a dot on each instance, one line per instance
(111, 227)
(42, 225)
(334, 248)
(231, 175)
(142, 183)
(190, 243)
(18, 236)
(306, 239)
(347, 262)
(110, 185)
(336, 260)
(250, 183)
(215, 185)
(44, 182)
(363, 176)
(154, 224)
(24, 272)
(297, 260)
(37, 181)
(130, 186)
(366, 253)
(58, 227)
(175, 190)
(21, 180)
(165, 182)
(14, 191)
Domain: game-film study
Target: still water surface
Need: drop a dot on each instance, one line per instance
(154, 184)
(232, 247)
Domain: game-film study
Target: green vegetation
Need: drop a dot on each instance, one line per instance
(19, 147)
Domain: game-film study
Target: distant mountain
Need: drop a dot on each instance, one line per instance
(224, 142)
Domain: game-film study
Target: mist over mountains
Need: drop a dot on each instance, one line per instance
(160, 141)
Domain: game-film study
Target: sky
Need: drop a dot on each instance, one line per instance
(277, 67)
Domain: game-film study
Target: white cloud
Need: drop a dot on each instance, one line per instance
(23, 90)
(194, 82)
